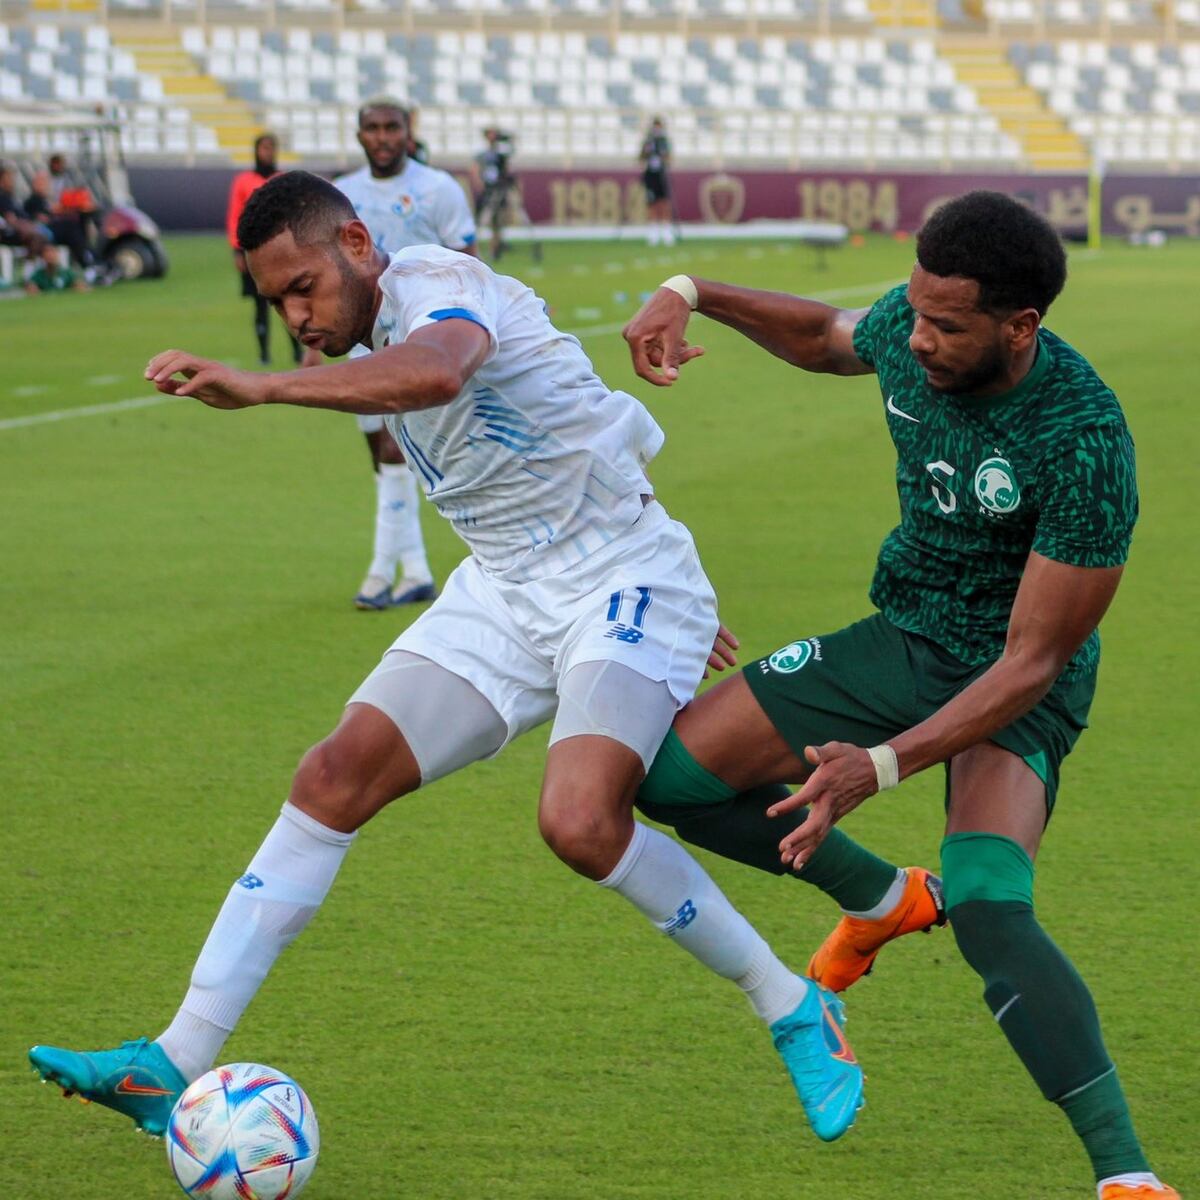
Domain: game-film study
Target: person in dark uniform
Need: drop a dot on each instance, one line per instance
(655, 157)
(493, 179)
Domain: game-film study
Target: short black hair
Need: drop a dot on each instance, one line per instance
(307, 206)
(376, 102)
(1009, 250)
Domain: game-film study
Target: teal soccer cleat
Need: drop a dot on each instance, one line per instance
(814, 1049)
(138, 1080)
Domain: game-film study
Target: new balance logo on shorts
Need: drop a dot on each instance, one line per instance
(250, 881)
(629, 634)
(623, 633)
(684, 916)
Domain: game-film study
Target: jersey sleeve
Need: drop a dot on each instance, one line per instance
(459, 288)
(455, 224)
(1091, 506)
(878, 328)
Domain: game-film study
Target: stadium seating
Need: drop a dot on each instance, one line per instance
(1134, 102)
(740, 82)
(581, 97)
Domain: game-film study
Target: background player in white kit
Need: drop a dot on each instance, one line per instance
(403, 203)
(581, 600)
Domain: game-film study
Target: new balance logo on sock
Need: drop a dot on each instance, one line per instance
(250, 881)
(683, 917)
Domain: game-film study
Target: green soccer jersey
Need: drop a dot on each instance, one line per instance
(1047, 467)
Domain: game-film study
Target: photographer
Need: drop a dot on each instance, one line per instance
(492, 181)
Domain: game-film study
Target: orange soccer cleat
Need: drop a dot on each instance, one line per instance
(848, 952)
(1137, 1191)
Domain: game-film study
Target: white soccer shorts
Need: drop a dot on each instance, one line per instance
(643, 601)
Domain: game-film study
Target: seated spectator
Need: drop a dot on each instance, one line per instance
(52, 276)
(63, 228)
(15, 230)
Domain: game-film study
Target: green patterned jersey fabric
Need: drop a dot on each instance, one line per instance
(1047, 467)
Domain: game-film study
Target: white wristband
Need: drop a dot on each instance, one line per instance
(887, 769)
(685, 286)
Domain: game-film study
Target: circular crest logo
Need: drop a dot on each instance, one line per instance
(791, 658)
(404, 205)
(996, 486)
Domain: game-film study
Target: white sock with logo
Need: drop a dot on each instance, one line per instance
(665, 883)
(398, 537)
(266, 908)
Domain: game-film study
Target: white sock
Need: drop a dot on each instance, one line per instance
(398, 525)
(887, 902)
(1133, 1179)
(665, 883)
(266, 908)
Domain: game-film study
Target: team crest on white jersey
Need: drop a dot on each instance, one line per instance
(996, 486)
(405, 205)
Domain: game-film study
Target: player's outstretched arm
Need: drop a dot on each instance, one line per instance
(427, 370)
(1056, 609)
(804, 333)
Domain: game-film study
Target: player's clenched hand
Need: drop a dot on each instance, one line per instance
(655, 337)
(722, 655)
(212, 382)
(844, 777)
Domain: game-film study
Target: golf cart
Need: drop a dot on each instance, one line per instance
(126, 240)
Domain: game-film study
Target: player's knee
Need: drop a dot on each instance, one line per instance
(329, 786)
(989, 898)
(319, 786)
(589, 837)
(985, 867)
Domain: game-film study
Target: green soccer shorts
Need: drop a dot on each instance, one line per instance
(871, 681)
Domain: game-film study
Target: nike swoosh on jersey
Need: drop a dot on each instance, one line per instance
(128, 1088)
(891, 407)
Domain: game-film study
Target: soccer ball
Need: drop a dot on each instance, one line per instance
(243, 1132)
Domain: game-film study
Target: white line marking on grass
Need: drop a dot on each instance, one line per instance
(103, 380)
(87, 410)
(30, 389)
(99, 410)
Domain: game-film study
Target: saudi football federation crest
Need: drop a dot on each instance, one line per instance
(791, 658)
(996, 486)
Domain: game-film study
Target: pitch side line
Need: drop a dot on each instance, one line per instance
(134, 402)
(86, 410)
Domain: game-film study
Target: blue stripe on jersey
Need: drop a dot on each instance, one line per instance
(431, 473)
(519, 447)
(614, 605)
(644, 603)
(531, 471)
(529, 440)
(464, 314)
(468, 239)
(497, 412)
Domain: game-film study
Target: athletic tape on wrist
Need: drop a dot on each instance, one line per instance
(683, 285)
(887, 768)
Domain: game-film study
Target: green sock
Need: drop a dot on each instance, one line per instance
(1046, 1012)
(1100, 1116)
(706, 812)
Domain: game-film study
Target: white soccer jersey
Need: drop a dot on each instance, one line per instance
(536, 463)
(420, 206)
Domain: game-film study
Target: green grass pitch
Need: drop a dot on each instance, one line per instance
(472, 1021)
